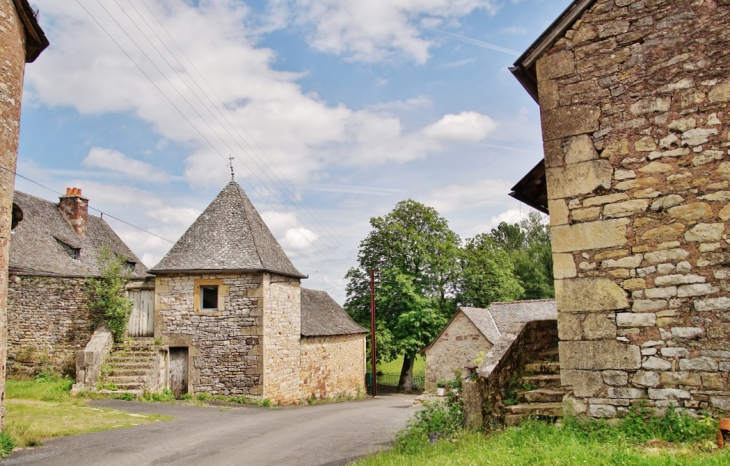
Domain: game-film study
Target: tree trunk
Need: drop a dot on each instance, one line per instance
(405, 382)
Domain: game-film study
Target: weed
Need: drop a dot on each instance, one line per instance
(7, 443)
(202, 396)
(158, 341)
(107, 386)
(186, 396)
(123, 396)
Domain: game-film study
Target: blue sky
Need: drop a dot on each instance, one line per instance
(333, 110)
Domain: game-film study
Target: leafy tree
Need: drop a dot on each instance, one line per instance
(487, 274)
(417, 256)
(107, 301)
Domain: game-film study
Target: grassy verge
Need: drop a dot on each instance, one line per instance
(42, 408)
(395, 366)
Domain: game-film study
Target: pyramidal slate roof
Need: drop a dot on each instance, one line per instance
(229, 235)
(322, 316)
(37, 243)
(496, 320)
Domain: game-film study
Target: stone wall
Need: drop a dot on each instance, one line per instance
(635, 108)
(457, 347)
(224, 347)
(48, 322)
(485, 392)
(12, 44)
(282, 332)
(333, 366)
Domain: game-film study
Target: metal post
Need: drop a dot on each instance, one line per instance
(372, 334)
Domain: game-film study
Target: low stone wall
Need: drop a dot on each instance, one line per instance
(332, 366)
(48, 322)
(485, 391)
(90, 359)
(456, 348)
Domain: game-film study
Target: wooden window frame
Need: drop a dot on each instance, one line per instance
(198, 297)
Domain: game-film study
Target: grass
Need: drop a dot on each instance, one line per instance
(42, 408)
(673, 439)
(395, 366)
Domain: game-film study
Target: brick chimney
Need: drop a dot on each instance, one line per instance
(75, 208)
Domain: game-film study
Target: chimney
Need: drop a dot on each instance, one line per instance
(75, 208)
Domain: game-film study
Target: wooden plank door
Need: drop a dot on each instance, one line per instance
(141, 321)
(179, 371)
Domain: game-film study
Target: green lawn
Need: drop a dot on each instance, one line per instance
(540, 444)
(395, 366)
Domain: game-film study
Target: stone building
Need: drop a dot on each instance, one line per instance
(635, 106)
(21, 41)
(472, 332)
(228, 304)
(53, 252)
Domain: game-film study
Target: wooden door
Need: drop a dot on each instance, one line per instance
(179, 371)
(141, 321)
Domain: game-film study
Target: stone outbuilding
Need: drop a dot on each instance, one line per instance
(472, 332)
(229, 305)
(53, 252)
(635, 106)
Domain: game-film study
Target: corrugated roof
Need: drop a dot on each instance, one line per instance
(229, 235)
(36, 243)
(322, 316)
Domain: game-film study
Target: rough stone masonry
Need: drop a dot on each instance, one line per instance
(635, 107)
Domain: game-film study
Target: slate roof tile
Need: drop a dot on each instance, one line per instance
(322, 316)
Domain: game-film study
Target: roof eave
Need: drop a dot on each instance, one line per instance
(35, 39)
(286, 274)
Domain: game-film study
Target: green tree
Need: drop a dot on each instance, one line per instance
(487, 274)
(417, 256)
(107, 300)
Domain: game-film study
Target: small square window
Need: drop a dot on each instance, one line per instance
(209, 297)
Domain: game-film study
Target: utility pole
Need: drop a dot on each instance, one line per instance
(372, 334)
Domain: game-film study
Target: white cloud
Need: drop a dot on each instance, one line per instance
(510, 216)
(115, 161)
(464, 196)
(464, 127)
(298, 239)
(375, 30)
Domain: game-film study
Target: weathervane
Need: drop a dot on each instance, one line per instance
(230, 160)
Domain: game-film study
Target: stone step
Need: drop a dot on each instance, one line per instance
(543, 367)
(117, 379)
(132, 365)
(117, 372)
(551, 354)
(537, 409)
(128, 386)
(511, 420)
(119, 358)
(543, 395)
(542, 381)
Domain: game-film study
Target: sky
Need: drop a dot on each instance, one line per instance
(331, 112)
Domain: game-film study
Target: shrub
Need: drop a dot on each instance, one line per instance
(6, 444)
(107, 301)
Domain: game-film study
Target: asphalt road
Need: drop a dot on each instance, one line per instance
(327, 434)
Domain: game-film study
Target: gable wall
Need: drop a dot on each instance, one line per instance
(225, 351)
(282, 344)
(635, 109)
(333, 366)
(456, 348)
(48, 321)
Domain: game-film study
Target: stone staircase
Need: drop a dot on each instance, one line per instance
(130, 365)
(544, 397)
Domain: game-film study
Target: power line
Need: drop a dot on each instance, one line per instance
(92, 208)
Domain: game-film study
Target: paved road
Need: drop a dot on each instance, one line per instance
(327, 434)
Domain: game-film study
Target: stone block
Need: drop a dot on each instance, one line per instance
(720, 93)
(712, 304)
(563, 266)
(668, 394)
(573, 405)
(592, 235)
(713, 381)
(555, 65)
(558, 212)
(693, 211)
(646, 305)
(671, 280)
(615, 378)
(639, 183)
(663, 203)
(673, 379)
(663, 232)
(625, 209)
(721, 402)
(656, 364)
(608, 199)
(570, 121)
(666, 255)
(698, 289)
(581, 215)
(626, 393)
(698, 364)
(705, 232)
(690, 333)
(634, 284)
(599, 355)
(578, 178)
(661, 293)
(645, 144)
(672, 352)
(598, 326)
(650, 105)
(657, 167)
(584, 383)
(602, 411)
(631, 262)
(589, 294)
(579, 149)
(570, 326)
(646, 379)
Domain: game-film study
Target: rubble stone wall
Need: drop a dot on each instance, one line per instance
(333, 366)
(456, 348)
(48, 322)
(282, 339)
(635, 108)
(225, 346)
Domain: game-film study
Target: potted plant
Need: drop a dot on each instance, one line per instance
(441, 385)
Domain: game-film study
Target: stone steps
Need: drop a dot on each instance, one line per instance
(543, 395)
(542, 380)
(543, 367)
(539, 409)
(130, 362)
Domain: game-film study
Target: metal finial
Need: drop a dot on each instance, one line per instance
(230, 160)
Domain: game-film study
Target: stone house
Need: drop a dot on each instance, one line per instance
(634, 100)
(53, 252)
(472, 332)
(229, 305)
